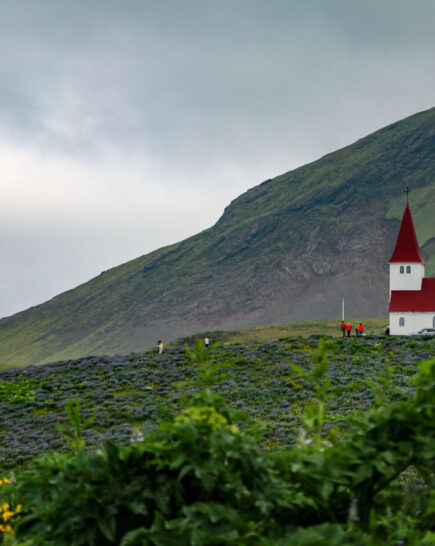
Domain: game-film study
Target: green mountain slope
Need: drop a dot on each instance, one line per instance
(288, 249)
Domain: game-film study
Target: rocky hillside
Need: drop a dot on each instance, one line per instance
(288, 249)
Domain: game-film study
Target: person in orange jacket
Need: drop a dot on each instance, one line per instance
(343, 328)
(360, 329)
(349, 329)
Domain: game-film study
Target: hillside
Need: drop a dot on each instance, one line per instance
(288, 249)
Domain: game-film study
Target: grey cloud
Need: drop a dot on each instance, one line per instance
(220, 93)
(159, 75)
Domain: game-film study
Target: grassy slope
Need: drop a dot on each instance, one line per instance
(308, 221)
(274, 332)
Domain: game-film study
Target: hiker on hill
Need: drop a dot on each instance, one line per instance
(357, 329)
(343, 328)
(360, 329)
(349, 329)
(160, 346)
(206, 342)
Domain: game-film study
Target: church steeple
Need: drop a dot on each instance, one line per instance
(407, 249)
(406, 264)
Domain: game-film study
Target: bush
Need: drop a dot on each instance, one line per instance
(197, 481)
(197, 476)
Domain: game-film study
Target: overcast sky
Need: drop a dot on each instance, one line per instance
(126, 125)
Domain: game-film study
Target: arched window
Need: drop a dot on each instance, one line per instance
(402, 321)
(402, 269)
(408, 269)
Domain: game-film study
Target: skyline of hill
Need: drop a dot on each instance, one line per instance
(286, 250)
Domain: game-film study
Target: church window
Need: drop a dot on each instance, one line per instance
(402, 269)
(402, 321)
(408, 269)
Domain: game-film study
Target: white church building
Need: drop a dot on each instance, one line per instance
(412, 295)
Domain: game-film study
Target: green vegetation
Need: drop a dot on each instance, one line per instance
(201, 479)
(19, 392)
(74, 433)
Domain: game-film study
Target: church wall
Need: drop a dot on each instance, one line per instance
(404, 280)
(413, 323)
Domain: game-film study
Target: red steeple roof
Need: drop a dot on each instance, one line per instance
(407, 249)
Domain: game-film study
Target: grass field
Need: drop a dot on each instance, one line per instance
(273, 332)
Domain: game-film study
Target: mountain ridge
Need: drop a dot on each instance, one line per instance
(288, 249)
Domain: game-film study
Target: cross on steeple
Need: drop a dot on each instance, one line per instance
(407, 190)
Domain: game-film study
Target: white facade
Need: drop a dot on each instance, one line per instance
(410, 323)
(406, 276)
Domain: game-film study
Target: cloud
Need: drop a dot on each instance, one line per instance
(64, 222)
(128, 125)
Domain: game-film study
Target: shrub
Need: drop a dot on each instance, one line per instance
(198, 480)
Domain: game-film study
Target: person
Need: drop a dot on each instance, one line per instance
(387, 331)
(357, 329)
(349, 329)
(343, 328)
(160, 346)
(360, 329)
(206, 342)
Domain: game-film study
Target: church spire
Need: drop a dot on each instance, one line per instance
(407, 249)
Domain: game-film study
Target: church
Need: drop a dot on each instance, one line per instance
(412, 295)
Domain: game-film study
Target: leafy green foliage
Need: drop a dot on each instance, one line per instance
(198, 480)
(18, 392)
(317, 376)
(74, 432)
(208, 371)
(9, 510)
(195, 467)
(383, 386)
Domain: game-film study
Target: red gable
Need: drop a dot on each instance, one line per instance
(414, 301)
(407, 249)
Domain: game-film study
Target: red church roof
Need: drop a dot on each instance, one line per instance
(407, 249)
(414, 301)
